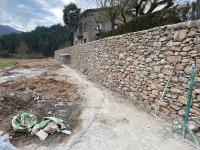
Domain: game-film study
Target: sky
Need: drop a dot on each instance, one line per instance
(26, 15)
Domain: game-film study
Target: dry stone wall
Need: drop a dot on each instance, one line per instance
(139, 64)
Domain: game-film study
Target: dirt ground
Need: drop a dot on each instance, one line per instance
(37, 63)
(47, 94)
(98, 118)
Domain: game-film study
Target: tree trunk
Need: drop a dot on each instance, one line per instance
(113, 23)
(112, 20)
(198, 9)
(123, 16)
(72, 38)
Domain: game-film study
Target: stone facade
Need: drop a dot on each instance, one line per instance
(92, 23)
(139, 64)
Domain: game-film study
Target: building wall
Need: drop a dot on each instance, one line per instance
(91, 18)
(139, 64)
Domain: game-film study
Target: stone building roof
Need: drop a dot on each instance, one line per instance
(93, 10)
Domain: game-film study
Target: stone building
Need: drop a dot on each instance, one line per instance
(92, 23)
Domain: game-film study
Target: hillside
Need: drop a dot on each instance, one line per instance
(4, 29)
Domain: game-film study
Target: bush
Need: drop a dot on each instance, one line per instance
(4, 55)
(155, 19)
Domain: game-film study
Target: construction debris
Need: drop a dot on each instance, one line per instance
(42, 135)
(49, 125)
(33, 86)
(25, 122)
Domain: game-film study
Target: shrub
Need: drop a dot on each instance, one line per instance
(155, 19)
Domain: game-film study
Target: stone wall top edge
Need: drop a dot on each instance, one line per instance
(182, 25)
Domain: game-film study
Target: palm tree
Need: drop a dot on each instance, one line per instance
(71, 14)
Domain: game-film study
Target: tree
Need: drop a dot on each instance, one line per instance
(9, 42)
(71, 14)
(42, 40)
(198, 9)
(124, 9)
(23, 48)
(150, 5)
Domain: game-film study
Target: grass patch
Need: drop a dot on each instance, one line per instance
(4, 63)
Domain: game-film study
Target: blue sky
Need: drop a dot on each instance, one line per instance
(25, 15)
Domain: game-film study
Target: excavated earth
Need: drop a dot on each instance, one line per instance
(98, 118)
(42, 94)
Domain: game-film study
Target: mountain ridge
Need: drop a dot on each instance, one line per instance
(5, 29)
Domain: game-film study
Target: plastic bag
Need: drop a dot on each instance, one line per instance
(23, 122)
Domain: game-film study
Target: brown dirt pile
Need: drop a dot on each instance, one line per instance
(42, 96)
(47, 85)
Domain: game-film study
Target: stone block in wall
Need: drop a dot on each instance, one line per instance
(157, 68)
(197, 91)
(187, 48)
(197, 40)
(175, 79)
(181, 112)
(175, 107)
(180, 35)
(157, 44)
(170, 43)
(188, 69)
(163, 61)
(146, 102)
(185, 85)
(148, 60)
(156, 86)
(153, 76)
(171, 110)
(192, 34)
(194, 111)
(179, 67)
(167, 72)
(196, 55)
(154, 92)
(163, 39)
(177, 43)
(168, 53)
(173, 59)
(175, 90)
(166, 111)
(161, 103)
(182, 99)
(183, 53)
(153, 56)
(197, 47)
(144, 96)
(196, 104)
(175, 48)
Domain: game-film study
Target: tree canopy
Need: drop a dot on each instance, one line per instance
(42, 40)
(121, 9)
(71, 14)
